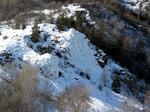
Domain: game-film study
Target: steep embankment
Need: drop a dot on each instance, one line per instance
(64, 58)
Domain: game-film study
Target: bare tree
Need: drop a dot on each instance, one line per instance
(22, 94)
(104, 82)
(128, 105)
(73, 99)
(104, 79)
(19, 94)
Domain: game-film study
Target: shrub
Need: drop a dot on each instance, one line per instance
(116, 84)
(43, 50)
(5, 37)
(65, 22)
(23, 26)
(6, 57)
(68, 22)
(80, 18)
(127, 43)
(35, 37)
(73, 99)
(85, 75)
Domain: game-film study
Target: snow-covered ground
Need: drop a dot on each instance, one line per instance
(71, 54)
(135, 5)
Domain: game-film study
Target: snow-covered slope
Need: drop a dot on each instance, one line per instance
(63, 58)
(135, 4)
(72, 55)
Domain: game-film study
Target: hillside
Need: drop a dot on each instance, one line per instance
(86, 57)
